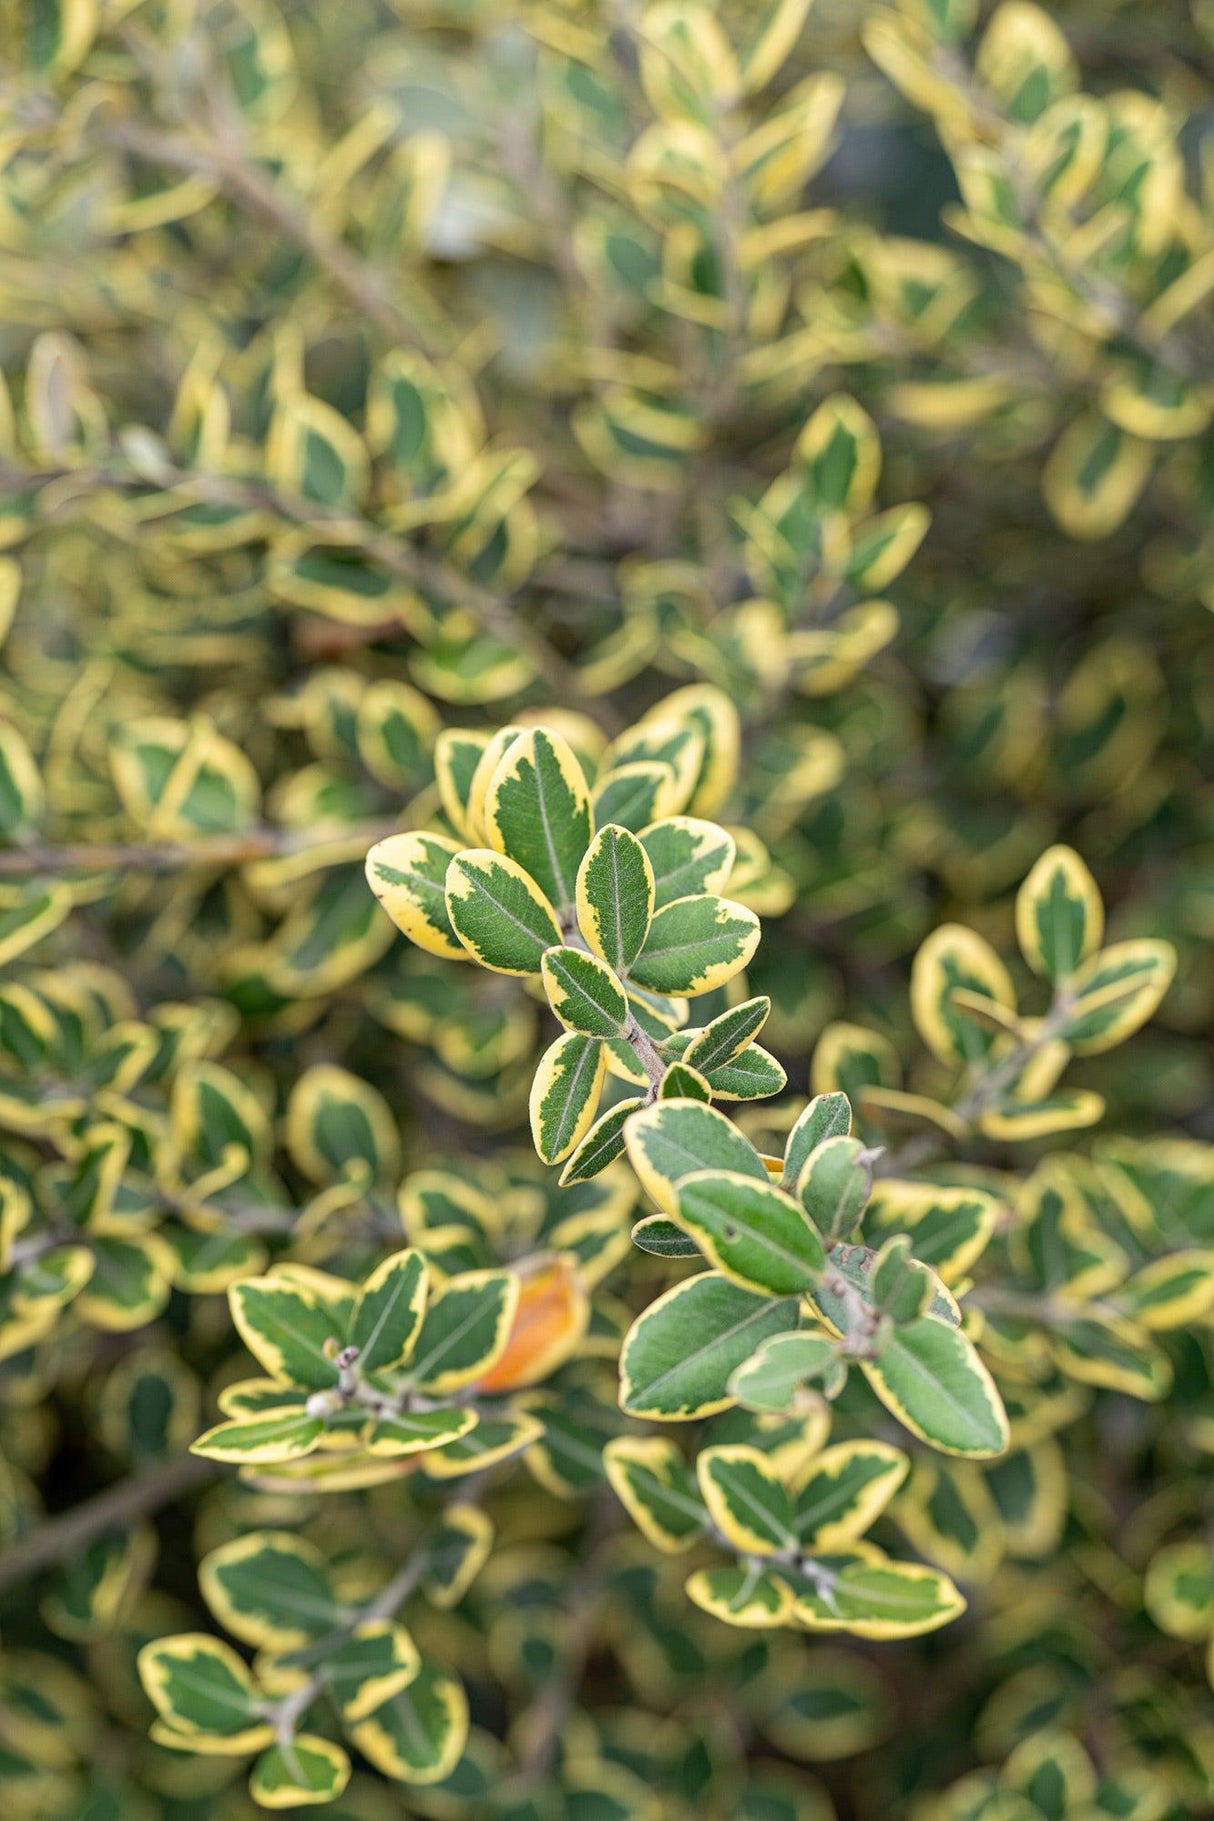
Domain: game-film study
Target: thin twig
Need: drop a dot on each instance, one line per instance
(286, 1713)
(171, 856)
(1102, 295)
(495, 614)
(925, 1146)
(540, 1728)
(370, 290)
(117, 1508)
(245, 182)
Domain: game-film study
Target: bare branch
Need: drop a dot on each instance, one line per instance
(172, 856)
(117, 1508)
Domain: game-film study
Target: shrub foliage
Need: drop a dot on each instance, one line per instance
(598, 604)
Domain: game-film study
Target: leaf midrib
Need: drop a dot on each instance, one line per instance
(766, 1306)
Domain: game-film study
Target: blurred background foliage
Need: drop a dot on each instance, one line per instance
(377, 368)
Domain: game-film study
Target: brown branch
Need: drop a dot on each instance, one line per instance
(169, 856)
(247, 183)
(539, 1728)
(116, 1508)
(370, 290)
(495, 614)
(385, 1604)
(1172, 350)
(925, 1147)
